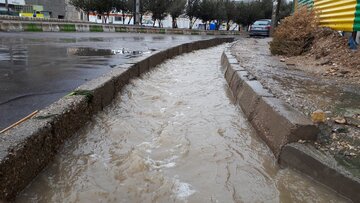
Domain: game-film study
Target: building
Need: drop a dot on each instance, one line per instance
(60, 9)
(12, 5)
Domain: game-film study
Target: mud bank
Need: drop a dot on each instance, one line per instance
(281, 127)
(28, 148)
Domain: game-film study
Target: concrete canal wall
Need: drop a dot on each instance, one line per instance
(27, 149)
(281, 127)
(24, 24)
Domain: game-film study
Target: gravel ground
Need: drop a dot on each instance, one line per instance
(309, 86)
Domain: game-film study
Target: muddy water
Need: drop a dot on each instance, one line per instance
(172, 136)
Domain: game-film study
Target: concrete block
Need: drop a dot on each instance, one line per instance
(186, 48)
(28, 148)
(46, 27)
(172, 52)
(82, 28)
(249, 96)
(121, 75)
(157, 58)
(144, 65)
(141, 63)
(102, 90)
(237, 81)
(55, 28)
(109, 28)
(279, 124)
(323, 168)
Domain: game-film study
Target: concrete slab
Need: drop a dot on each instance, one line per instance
(308, 160)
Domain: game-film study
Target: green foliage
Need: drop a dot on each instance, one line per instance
(88, 94)
(231, 12)
(96, 28)
(192, 9)
(247, 13)
(206, 10)
(158, 9)
(67, 28)
(33, 28)
(162, 31)
(85, 5)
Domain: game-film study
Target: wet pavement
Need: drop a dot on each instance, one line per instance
(37, 69)
(173, 135)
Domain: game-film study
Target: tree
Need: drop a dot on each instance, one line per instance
(103, 7)
(285, 9)
(249, 12)
(231, 12)
(208, 11)
(176, 8)
(219, 12)
(158, 9)
(192, 11)
(266, 8)
(86, 6)
(123, 6)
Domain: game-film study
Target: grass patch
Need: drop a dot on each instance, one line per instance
(33, 28)
(88, 94)
(142, 30)
(96, 28)
(162, 31)
(67, 28)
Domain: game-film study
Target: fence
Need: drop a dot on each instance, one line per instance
(343, 15)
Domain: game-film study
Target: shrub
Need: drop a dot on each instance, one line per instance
(295, 34)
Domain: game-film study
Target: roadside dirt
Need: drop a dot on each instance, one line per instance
(331, 57)
(308, 84)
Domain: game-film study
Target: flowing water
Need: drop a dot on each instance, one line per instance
(173, 135)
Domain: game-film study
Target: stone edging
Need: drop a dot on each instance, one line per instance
(281, 127)
(41, 25)
(27, 149)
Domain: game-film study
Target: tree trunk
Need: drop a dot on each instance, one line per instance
(228, 25)
(190, 26)
(205, 25)
(174, 23)
(123, 17)
(88, 16)
(159, 23)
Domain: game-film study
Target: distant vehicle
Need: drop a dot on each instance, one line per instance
(260, 28)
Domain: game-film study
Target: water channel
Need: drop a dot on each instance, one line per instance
(173, 135)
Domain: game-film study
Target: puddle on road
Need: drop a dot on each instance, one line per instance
(86, 51)
(172, 136)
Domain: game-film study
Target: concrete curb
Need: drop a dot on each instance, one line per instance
(46, 25)
(276, 122)
(281, 126)
(27, 149)
(308, 160)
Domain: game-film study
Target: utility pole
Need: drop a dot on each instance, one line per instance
(275, 15)
(7, 6)
(136, 12)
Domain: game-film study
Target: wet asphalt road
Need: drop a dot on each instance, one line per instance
(36, 69)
